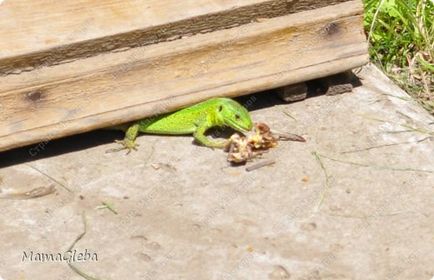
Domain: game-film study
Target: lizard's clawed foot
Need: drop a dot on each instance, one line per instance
(127, 144)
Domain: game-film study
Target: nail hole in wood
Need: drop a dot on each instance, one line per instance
(34, 95)
(330, 29)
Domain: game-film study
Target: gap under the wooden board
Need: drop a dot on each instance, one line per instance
(113, 88)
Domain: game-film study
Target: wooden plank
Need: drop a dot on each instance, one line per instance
(46, 32)
(118, 87)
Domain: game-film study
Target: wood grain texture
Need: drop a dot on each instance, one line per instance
(113, 88)
(45, 32)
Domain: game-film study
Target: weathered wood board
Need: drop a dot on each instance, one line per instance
(46, 32)
(67, 85)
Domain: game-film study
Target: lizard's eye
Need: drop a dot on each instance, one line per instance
(237, 117)
(220, 108)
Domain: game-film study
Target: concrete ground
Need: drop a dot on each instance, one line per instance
(353, 202)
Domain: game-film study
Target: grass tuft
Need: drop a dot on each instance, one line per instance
(401, 36)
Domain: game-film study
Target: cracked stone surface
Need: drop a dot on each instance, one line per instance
(353, 202)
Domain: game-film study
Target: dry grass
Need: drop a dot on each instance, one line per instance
(401, 35)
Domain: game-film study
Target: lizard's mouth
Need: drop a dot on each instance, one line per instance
(239, 128)
(244, 130)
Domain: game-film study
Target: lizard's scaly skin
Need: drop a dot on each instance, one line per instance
(196, 120)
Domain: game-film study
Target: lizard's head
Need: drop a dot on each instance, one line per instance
(234, 115)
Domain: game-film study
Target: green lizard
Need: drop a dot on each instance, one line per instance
(196, 120)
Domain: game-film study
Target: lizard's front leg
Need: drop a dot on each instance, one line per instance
(199, 136)
(129, 141)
